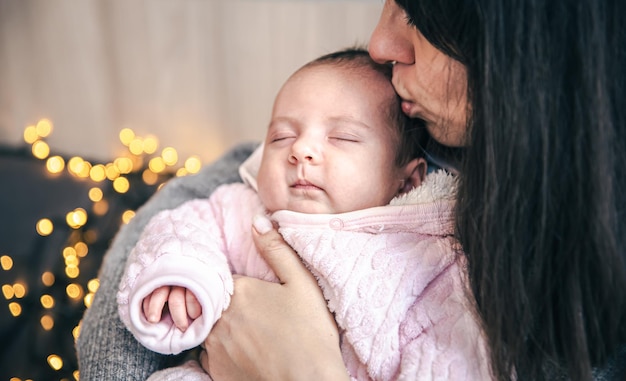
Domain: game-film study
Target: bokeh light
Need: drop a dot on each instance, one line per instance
(44, 227)
(55, 362)
(76, 218)
(127, 216)
(30, 134)
(44, 128)
(170, 156)
(6, 262)
(55, 164)
(141, 162)
(126, 136)
(193, 164)
(40, 149)
(121, 185)
(98, 173)
(47, 322)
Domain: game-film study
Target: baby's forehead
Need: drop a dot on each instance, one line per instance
(359, 70)
(359, 76)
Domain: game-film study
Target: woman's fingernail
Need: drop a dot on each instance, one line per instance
(262, 224)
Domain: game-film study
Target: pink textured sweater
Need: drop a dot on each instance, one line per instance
(391, 276)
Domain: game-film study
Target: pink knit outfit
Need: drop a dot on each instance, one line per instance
(392, 277)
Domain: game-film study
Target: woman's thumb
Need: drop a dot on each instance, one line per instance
(279, 256)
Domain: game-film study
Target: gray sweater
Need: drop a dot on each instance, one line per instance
(107, 350)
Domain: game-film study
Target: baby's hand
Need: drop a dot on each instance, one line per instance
(181, 303)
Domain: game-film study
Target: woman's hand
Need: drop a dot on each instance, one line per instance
(275, 331)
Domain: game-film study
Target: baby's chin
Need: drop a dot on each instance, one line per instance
(309, 207)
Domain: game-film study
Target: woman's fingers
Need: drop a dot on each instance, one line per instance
(291, 317)
(282, 259)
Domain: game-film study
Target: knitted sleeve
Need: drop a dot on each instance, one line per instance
(179, 247)
(106, 350)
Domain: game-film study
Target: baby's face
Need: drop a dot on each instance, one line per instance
(330, 147)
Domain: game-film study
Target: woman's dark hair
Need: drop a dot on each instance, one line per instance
(542, 191)
(412, 134)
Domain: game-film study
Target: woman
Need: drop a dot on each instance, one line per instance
(534, 92)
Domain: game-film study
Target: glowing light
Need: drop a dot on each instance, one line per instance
(71, 261)
(76, 375)
(170, 156)
(44, 227)
(75, 165)
(136, 146)
(8, 292)
(6, 262)
(90, 236)
(95, 194)
(149, 177)
(98, 173)
(124, 165)
(127, 216)
(93, 285)
(20, 290)
(156, 164)
(112, 171)
(47, 322)
(55, 362)
(81, 249)
(69, 252)
(30, 134)
(84, 173)
(44, 127)
(74, 291)
(150, 144)
(76, 331)
(140, 156)
(76, 218)
(193, 164)
(55, 164)
(126, 136)
(88, 299)
(40, 149)
(47, 301)
(121, 185)
(72, 272)
(15, 309)
(100, 208)
(47, 278)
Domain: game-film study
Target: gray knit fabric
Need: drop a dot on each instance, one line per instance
(105, 348)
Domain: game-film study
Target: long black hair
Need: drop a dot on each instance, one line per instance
(542, 191)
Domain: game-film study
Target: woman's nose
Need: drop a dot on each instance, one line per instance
(391, 40)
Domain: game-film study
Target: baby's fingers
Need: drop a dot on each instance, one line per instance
(178, 308)
(194, 310)
(154, 303)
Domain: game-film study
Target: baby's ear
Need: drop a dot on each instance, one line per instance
(413, 173)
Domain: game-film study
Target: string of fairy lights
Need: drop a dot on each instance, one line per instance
(141, 156)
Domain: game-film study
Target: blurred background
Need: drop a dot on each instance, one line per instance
(199, 74)
(101, 102)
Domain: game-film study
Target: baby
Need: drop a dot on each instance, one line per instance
(338, 150)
